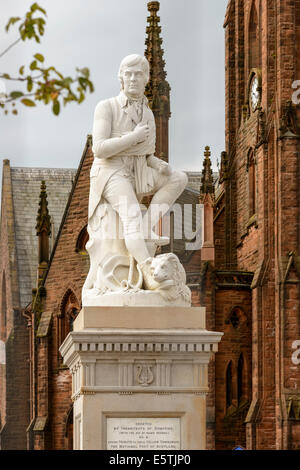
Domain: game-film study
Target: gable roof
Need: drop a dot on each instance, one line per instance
(87, 148)
(26, 184)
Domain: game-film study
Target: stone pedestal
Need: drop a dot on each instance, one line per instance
(139, 377)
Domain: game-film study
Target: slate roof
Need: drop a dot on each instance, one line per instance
(26, 183)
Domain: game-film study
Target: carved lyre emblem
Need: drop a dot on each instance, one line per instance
(144, 375)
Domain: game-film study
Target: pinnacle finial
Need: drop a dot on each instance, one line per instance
(43, 222)
(153, 7)
(207, 182)
(207, 152)
(157, 89)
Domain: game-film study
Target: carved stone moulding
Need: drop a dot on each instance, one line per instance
(139, 361)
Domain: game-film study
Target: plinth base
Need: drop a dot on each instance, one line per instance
(140, 298)
(139, 377)
(140, 317)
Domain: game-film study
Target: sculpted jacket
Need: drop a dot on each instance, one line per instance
(114, 146)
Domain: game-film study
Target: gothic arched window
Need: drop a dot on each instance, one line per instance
(234, 318)
(68, 312)
(251, 183)
(240, 378)
(229, 394)
(82, 240)
(254, 39)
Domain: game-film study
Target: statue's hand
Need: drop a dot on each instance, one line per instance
(142, 132)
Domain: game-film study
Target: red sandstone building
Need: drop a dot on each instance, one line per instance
(247, 274)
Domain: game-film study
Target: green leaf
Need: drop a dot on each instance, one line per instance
(66, 82)
(56, 107)
(91, 86)
(21, 70)
(82, 82)
(30, 31)
(81, 97)
(39, 57)
(12, 21)
(16, 94)
(6, 75)
(27, 102)
(33, 65)
(29, 83)
(85, 72)
(23, 34)
(36, 6)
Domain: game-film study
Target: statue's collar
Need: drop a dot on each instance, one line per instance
(123, 99)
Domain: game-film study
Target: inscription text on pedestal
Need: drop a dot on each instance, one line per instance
(143, 433)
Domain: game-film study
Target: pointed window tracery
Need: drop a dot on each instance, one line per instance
(82, 240)
(229, 394)
(251, 183)
(254, 39)
(240, 378)
(68, 312)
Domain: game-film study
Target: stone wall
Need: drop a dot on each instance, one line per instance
(268, 243)
(67, 273)
(14, 372)
(16, 418)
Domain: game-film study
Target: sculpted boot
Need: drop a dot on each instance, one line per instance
(149, 282)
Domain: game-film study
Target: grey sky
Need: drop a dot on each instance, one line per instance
(98, 34)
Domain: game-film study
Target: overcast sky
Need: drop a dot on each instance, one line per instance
(98, 34)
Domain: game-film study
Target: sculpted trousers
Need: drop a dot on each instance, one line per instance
(119, 192)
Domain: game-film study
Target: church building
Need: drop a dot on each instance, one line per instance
(247, 273)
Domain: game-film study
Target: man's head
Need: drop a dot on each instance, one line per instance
(134, 75)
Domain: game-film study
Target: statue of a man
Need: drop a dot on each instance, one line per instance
(125, 168)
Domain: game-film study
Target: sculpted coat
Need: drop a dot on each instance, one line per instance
(120, 120)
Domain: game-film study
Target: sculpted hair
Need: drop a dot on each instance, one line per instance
(131, 60)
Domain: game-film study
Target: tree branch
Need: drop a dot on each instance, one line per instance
(9, 47)
(19, 79)
(23, 96)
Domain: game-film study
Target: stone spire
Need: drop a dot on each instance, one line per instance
(207, 198)
(43, 218)
(207, 182)
(158, 89)
(43, 231)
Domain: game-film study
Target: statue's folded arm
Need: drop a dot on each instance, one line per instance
(105, 146)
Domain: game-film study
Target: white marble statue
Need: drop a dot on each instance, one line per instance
(122, 240)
